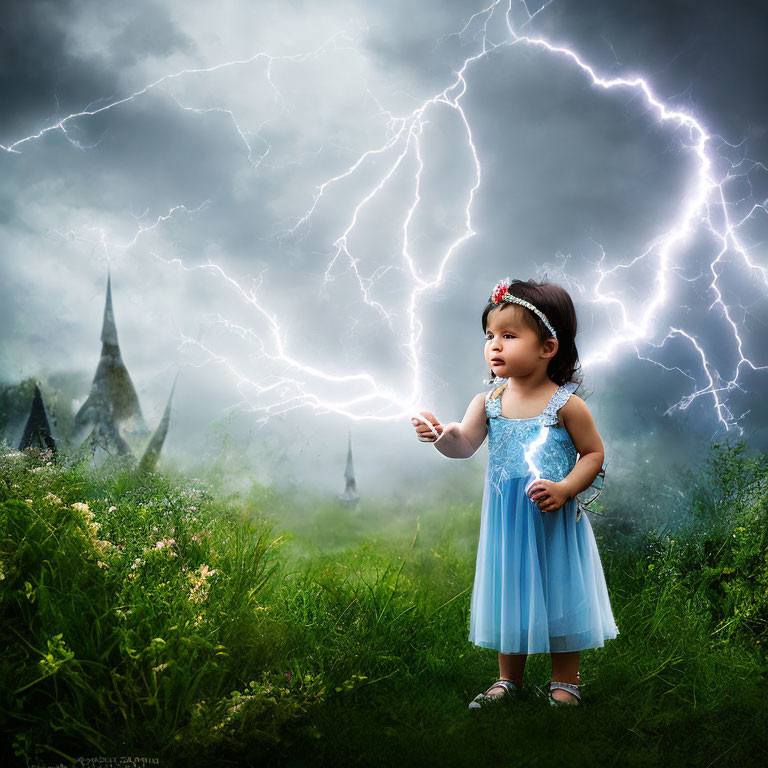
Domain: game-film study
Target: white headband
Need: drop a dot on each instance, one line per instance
(501, 294)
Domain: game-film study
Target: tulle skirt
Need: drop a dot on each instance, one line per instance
(539, 585)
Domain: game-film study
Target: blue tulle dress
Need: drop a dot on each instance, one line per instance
(539, 585)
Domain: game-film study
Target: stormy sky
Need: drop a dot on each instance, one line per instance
(199, 172)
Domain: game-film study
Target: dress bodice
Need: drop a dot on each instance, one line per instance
(551, 452)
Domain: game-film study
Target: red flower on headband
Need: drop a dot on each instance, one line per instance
(498, 292)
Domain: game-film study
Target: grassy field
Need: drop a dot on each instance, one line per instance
(158, 616)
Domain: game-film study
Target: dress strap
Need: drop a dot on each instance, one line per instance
(493, 402)
(559, 399)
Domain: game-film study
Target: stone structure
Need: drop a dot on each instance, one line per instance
(350, 495)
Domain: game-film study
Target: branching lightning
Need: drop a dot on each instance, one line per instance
(704, 207)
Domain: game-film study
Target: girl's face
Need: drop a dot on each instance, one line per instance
(512, 347)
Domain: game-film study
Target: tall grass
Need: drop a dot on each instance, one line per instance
(153, 615)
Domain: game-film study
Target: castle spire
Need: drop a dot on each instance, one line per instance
(108, 327)
(350, 495)
(37, 432)
(152, 453)
(112, 410)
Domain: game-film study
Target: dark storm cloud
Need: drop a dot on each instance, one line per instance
(706, 56)
(44, 74)
(36, 69)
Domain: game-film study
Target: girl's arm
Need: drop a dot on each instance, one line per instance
(460, 441)
(581, 427)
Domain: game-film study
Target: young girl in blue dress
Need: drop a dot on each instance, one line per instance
(539, 585)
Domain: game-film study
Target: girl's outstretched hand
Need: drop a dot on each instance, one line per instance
(423, 432)
(547, 494)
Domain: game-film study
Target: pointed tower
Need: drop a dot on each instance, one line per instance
(37, 432)
(149, 459)
(350, 495)
(112, 411)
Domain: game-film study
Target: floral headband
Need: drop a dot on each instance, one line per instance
(501, 294)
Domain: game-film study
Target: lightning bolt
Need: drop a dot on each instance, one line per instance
(704, 207)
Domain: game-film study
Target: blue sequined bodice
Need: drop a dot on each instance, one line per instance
(508, 439)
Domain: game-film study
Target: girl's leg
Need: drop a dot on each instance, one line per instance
(511, 667)
(565, 669)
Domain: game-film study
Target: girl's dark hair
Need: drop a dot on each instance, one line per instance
(556, 304)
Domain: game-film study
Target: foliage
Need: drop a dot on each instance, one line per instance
(155, 615)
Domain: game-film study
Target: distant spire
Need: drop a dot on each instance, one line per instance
(112, 409)
(152, 453)
(350, 495)
(37, 432)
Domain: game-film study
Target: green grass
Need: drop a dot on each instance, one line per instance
(269, 629)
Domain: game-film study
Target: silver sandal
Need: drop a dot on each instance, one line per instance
(483, 698)
(570, 688)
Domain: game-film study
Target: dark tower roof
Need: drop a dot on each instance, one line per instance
(37, 432)
(112, 409)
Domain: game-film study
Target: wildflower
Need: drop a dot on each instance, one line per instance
(53, 497)
(198, 593)
(80, 506)
(154, 528)
(287, 674)
(101, 564)
(29, 501)
(111, 509)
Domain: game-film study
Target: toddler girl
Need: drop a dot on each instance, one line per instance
(539, 585)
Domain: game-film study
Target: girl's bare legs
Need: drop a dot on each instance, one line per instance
(511, 667)
(565, 669)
